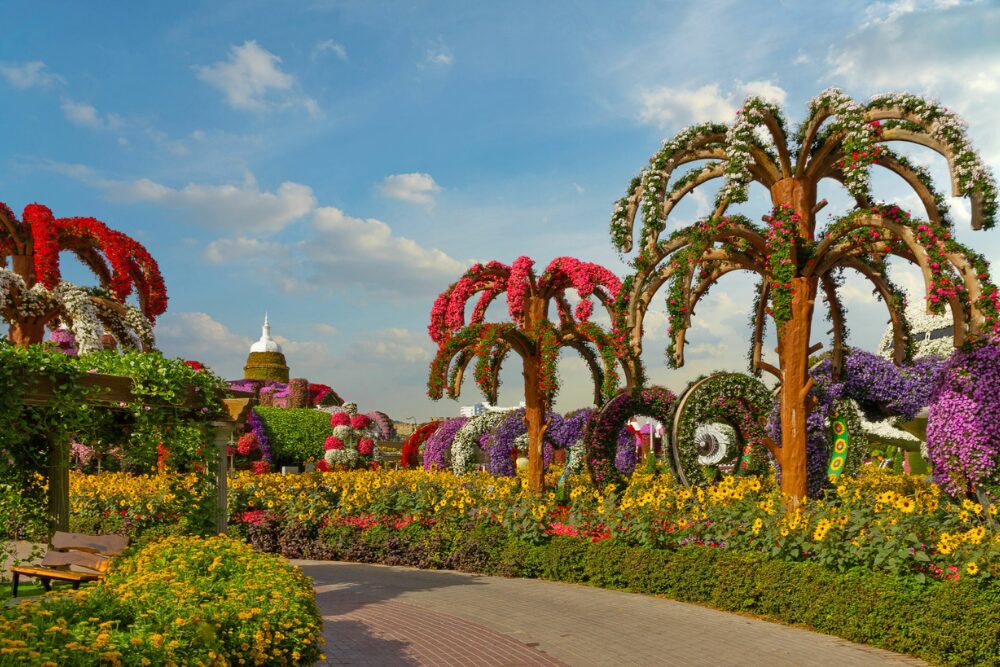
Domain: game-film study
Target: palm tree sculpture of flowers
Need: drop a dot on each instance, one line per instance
(33, 294)
(840, 140)
(530, 334)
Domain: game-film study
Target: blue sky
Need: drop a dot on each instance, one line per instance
(339, 163)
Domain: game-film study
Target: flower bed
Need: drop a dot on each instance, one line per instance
(878, 521)
(182, 600)
(141, 505)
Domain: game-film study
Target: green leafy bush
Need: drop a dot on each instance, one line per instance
(296, 434)
(179, 601)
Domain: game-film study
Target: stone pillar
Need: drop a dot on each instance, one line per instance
(223, 433)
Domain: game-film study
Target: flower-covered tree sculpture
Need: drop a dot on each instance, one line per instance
(33, 294)
(530, 334)
(840, 140)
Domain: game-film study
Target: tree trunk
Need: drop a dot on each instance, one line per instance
(30, 331)
(794, 356)
(793, 344)
(534, 402)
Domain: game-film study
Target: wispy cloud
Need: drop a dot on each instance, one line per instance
(33, 74)
(669, 106)
(329, 46)
(416, 187)
(87, 115)
(252, 80)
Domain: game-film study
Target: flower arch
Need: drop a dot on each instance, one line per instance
(602, 436)
(33, 294)
(411, 448)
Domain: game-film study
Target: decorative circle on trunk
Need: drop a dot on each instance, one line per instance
(714, 443)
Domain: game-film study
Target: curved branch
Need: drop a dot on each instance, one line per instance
(900, 336)
(837, 320)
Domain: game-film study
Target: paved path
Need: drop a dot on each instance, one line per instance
(377, 615)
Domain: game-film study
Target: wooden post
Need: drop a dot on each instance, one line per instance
(58, 478)
(222, 435)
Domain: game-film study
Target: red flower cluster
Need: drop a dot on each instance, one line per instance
(261, 467)
(360, 421)
(366, 446)
(340, 419)
(333, 442)
(246, 444)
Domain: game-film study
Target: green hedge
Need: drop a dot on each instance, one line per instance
(944, 623)
(296, 434)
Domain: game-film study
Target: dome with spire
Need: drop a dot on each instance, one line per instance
(266, 343)
(266, 360)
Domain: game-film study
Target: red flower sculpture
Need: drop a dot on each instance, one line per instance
(121, 264)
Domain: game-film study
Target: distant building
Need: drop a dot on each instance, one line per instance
(482, 408)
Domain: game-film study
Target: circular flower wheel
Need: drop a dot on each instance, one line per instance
(718, 428)
(602, 435)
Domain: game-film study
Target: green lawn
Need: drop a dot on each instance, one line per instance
(26, 588)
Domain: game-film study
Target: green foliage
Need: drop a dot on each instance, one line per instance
(172, 405)
(296, 434)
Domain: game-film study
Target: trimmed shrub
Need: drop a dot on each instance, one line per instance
(296, 434)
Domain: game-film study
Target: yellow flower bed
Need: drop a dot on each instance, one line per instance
(179, 601)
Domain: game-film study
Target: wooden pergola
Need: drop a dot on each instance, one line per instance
(112, 392)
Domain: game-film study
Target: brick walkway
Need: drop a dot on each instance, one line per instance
(377, 615)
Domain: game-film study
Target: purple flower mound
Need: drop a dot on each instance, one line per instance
(437, 449)
(625, 456)
(880, 388)
(570, 429)
(502, 442)
(256, 425)
(963, 426)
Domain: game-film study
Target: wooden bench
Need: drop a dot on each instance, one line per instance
(91, 553)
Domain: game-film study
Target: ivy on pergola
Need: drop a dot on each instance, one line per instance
(530, 334)
(33, 294)
(841, 140)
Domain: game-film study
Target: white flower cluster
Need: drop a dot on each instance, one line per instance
(466, 441)
(79, 309)
(971, 173)
(931, 333)
(851, 128)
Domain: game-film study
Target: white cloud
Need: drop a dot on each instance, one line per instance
(87, 115)
(329, 46)
(801, 58)
(395, 345)
(243, 207)
(325, 329)
(252, 80)
(31, 74)
(418, 188)
(438, 56)
(663, 105)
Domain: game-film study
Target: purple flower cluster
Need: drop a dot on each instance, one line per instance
(437, 449)
(256, 425)
(502, 442)
(963, 426)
